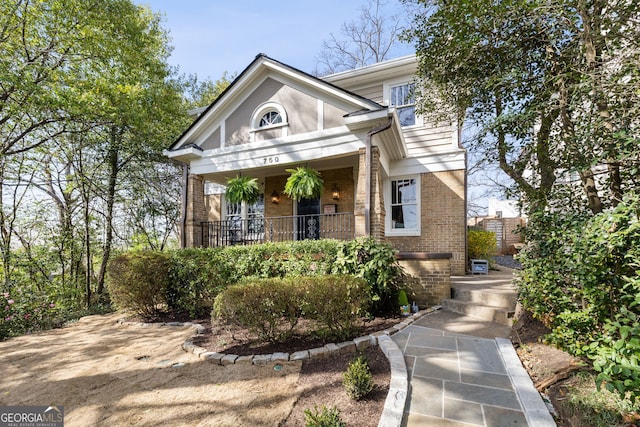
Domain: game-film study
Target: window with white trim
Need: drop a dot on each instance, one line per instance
(270, 118)
(268, 115)
(402, 97)
(405, 206)
(246, 221)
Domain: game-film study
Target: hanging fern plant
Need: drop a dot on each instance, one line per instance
(304, 183)
(242, 189)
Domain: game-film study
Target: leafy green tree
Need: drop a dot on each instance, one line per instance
(88, 96)
(201, 93)
(552, 87)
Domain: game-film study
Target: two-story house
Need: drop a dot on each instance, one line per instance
(388, 173)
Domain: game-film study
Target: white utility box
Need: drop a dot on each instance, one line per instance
(479, 266)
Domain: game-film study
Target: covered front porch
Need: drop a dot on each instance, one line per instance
(339, 226)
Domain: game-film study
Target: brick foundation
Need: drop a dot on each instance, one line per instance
(430, 281)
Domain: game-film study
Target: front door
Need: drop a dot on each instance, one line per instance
(308, 219)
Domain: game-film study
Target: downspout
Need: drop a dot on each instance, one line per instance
(466, 191)
(368, 160)
(185, 192)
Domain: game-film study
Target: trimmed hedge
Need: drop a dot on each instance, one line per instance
(196, 276)
(298, 258)
(138, 281)
(272, 307)
(267, 307)
(336, 302)
(190, 279)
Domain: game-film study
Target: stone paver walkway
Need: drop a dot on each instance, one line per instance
(457, 379)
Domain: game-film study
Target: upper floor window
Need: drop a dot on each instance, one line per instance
(402, 97)
(270, 118)
(268, 115)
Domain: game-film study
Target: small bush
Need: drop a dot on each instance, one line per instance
(138, 281)
(376, 263)
(481, 244)
(335, 301)
(357, 380)
(324, 417)
(271, 307)
(268, 307)
(196, 276)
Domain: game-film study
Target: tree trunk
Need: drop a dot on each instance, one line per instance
(113, 158)
(5, 232)
(592, 39)
(87, 237)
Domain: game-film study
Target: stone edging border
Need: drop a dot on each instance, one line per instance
(395, 402)
(327, 350)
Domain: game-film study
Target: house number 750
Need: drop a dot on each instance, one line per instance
(270, 160)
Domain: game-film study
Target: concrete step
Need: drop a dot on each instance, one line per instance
(496, 298)
(500, 315)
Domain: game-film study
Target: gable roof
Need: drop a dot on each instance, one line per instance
(261, 63)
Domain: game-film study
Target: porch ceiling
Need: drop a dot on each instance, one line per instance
(280, 169)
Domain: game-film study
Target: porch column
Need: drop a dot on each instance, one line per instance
(361, 194)
(376, 210)
(377, 197)
(196, 211)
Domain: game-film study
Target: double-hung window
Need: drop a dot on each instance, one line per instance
(405, 206)
(245, 222)
(402, 97)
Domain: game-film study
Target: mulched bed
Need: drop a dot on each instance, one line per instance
(320, 378)
(222, 338)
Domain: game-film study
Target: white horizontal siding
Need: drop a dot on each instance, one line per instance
(423, 140)
(372, 92)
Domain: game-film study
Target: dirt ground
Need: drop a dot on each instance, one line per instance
(550, 369)
(107, 374)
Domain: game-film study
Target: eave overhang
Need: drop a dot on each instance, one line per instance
(391, 140)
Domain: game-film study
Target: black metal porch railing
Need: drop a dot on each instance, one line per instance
(338, 226)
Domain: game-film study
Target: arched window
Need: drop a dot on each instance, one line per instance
(268, 115)
(270, 118)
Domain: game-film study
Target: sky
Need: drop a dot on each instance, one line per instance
(211, 37)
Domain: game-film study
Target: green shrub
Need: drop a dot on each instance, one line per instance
(376, 263)
(300, 258)
(324, 417)
(481, 244)
(268, 307)
(580, 277)
(335, 301)
(615, 356)
(138, 281)
(357, 380)
(272, 307)
(196, 276)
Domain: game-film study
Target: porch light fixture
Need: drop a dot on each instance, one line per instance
(275, 197)
(335, 192)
